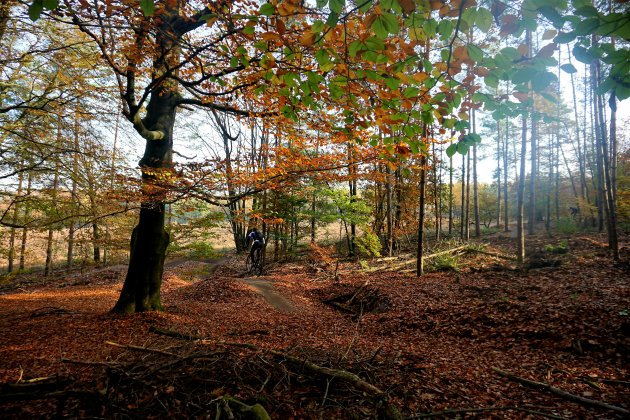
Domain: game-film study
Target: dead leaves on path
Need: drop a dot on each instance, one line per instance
(431, 348)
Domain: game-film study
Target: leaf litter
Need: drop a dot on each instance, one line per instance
(429, 344)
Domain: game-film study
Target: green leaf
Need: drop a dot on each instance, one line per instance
(451, 150)
(249, 30)
(492, 81)
(392, 83)
(35, 10)
(462, 147)
(336, 6)
(391, 23)
(475, 53)
(411, 92)
(50, 4)
(569, 68)
(332, 20)
(483, 19)
(148, 7)
(582, 54)
(445, 28)
(318, 26)
(564, 37)
(267, 9)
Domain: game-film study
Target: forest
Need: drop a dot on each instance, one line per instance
(442, 186)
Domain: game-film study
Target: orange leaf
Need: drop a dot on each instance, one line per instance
(548, 50)
(408, 6)
(270, 36)
(308, 38)
(521, 96)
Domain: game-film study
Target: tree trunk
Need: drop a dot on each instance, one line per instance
(27, 212)
(506, 207)
(12, 235)
(55, 186)
(531, 217)
(451, 198)
(73, 191)
(149, 240)
(475, 183)
(423, 178)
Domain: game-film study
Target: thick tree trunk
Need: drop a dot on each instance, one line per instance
(149, 240)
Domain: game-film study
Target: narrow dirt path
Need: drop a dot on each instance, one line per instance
(270, 294)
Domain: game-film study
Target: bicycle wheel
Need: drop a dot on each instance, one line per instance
(257, 267)
(249, 264)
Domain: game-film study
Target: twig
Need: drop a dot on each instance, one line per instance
(560, 392)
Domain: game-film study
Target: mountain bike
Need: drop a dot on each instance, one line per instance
(255, 265)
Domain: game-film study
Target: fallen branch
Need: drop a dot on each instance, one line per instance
(139, 348)
(493, 254)
(482, 409)
(405, 263)
(560, 392)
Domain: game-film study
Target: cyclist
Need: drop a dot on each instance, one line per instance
(257, 242)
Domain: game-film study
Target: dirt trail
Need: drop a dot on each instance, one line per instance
(270, 294)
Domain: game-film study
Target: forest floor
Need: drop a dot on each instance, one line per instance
(310, 339)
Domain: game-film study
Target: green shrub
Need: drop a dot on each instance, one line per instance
(567, 225)
(200, 250)
(444, 262)
(561, 248)
(368, 245)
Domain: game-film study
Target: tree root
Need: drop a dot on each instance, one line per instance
(564, 394)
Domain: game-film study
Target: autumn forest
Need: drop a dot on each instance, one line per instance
(441, 191)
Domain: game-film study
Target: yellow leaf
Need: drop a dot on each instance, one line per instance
(417, 34)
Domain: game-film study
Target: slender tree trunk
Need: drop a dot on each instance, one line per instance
(475, 183)
(506, 207)
(451, 197)
(531, 219)
(55, 186)
(389, 212)
(420, 249)
(27, 213)
(73, 190)
(520, 205)
(462, 217)
(12, 235)
(499, 175)
(467, 225)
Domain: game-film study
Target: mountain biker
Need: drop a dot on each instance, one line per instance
(257, 242)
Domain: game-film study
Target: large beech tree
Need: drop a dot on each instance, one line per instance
(173, 56)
